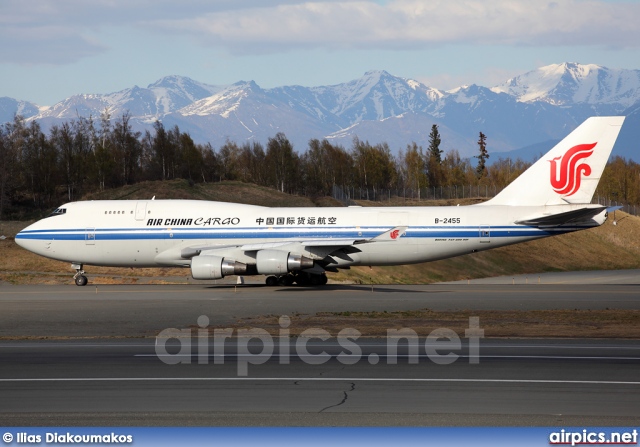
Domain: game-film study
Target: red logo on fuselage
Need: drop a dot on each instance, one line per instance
(566, 178)
(394, 234)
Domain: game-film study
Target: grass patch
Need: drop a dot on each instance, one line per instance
(609, 323)
(228, 191)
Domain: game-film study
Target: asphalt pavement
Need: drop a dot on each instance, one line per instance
(90, 356)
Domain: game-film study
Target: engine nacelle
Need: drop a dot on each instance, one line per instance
(215, 267)
(276, 262)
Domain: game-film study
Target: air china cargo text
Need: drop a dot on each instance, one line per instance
(200, 221)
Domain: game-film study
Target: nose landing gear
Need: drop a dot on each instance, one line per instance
(79, 277)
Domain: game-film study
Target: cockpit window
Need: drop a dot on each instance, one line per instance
(58, 212)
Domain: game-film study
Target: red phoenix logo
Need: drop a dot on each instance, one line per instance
(566, 178)
(394, 234)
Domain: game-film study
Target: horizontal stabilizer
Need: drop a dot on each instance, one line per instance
(568, 217)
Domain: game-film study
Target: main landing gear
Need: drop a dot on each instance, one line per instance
(299, 278)
(79, 277)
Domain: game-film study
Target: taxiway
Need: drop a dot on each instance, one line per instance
(88, 356)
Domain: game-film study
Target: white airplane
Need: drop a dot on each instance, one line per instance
(216, 239)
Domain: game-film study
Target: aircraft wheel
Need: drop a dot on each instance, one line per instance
(316, 280)
(81, 280)
(285, 280)
(302, 279)
(272, 281)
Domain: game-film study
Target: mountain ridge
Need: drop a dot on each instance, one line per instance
(540, 105)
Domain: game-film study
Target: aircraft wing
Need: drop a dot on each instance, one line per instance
(324, 245)
(320, 248)
(390, 235)
(306, 243)
(565, 218)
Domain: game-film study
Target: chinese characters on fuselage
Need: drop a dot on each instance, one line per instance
(269, 221)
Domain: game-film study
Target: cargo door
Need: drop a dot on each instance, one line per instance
(141, 210)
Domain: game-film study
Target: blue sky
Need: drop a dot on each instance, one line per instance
(51, 49)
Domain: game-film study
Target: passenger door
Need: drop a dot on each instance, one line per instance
(90, 236)
(485, 234)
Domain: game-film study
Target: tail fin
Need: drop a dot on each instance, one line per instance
(568, 173)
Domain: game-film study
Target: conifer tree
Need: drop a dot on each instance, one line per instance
(434, 158)
(434, 144)
(482, 157)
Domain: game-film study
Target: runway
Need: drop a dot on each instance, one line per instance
(516, 382)
(581, 278)
(144, 310)
(71, 356)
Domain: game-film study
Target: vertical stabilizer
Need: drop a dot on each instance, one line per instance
(569, 173)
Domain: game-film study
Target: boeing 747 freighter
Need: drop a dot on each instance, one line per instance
(216, 239)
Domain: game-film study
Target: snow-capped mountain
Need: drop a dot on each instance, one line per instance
(571, 83)
(375, 96)
(244, 112)
(541, 105)
(10, 107)
(167, 95)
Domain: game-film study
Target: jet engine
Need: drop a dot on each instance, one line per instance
(215, 267)
(276, 262)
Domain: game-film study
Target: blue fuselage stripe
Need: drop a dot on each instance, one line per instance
(284, 233)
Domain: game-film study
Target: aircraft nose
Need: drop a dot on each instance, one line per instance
(25, 240)
(22, 240)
